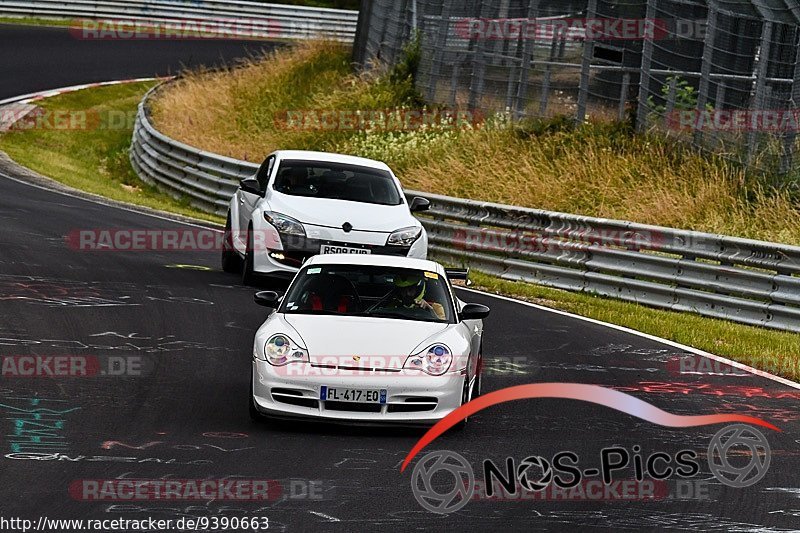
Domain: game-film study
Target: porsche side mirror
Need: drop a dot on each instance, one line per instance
(474, 312)
(269, 299)
(250, 185)
(418, 203)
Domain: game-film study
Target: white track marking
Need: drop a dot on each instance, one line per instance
(326, 516)
(668, 342)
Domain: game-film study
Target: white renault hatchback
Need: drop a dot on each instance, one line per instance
(300, 204)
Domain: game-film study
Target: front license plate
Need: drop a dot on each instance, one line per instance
(339, 394)
(331, 249)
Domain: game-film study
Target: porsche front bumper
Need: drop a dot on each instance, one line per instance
(412, 397)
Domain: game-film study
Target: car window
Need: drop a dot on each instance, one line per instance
(337, 181)
(382, 292)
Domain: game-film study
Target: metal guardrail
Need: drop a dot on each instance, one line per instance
(226, 17)
(741, 280)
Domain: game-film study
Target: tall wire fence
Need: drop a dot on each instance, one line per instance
(721, 74)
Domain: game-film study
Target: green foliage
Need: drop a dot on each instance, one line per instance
(685, 96)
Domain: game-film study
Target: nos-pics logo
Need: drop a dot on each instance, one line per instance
(444, 481)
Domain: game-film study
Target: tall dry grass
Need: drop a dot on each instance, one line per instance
(597, 169)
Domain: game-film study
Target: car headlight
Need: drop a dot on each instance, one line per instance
(285, 225)
(435, 360)
(404, 237)
(280, 350)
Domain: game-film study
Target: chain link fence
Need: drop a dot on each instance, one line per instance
(721, 74)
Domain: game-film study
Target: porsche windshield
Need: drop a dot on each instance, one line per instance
(337, 181)
(382, 292)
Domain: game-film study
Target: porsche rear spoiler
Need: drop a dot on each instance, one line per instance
(461, 274)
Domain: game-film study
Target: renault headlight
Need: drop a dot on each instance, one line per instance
(280, 350)
(404, 237)
(285, 225)
(435, 360)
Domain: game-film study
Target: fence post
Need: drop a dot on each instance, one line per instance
(546, 77)
(527, 57)
(705, 68)
(440, 51)
(478, 66)
(757, 102)
(623, 95)
(671, 96)
(586, 64)
(643, 109)
(362, 33)
(787, 159)
(454, 82)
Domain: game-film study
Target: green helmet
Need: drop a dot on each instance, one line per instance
(404, 281)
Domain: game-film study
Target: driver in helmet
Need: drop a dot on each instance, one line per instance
(409, 293)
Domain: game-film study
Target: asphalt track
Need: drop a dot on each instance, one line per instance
(186, 417)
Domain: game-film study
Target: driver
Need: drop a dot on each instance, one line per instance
(293, 180)
(409, 293)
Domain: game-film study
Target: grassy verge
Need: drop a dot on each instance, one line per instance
(597, 169)
(83, 142)
(33, 21)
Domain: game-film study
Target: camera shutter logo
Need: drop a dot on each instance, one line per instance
(457, 490)
(530, 481)
(719, 453)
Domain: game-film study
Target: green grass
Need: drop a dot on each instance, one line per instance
(33, 21)
(93, 159)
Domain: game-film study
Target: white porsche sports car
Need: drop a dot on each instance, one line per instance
(301, 204)
(367, 338)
